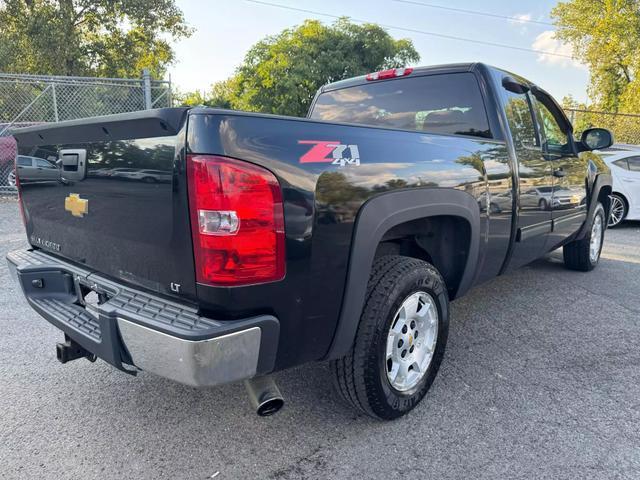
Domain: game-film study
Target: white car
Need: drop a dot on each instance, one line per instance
(625, 170)
(145, 175)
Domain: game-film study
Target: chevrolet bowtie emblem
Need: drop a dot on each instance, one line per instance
(78, 207)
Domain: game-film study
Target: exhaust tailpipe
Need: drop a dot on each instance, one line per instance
(264, 395)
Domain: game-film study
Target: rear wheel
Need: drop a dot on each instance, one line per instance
(400, 340)
(584, 254)
(618, 210)
(11, 178)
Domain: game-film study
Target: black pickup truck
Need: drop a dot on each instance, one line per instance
(210, 246)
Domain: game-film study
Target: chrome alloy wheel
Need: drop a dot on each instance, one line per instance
(11, 179)
(596, 239)
(617, 211)
(411, 341)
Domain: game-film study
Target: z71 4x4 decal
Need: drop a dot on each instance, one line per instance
(324, 151)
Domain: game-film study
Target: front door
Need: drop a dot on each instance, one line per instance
(46, 171)
(568, 202)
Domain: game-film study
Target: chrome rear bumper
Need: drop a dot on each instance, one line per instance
(213, 361)
(136, 328)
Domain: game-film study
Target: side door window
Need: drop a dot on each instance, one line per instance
(24, 161)
(631, 179)
(622, 163)
(634, 164)
(556, 139)
(43, 163)
(568, 199)
(534, 171)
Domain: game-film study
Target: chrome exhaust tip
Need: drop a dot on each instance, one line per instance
(264, 395)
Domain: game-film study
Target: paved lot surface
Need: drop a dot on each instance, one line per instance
(541, 380)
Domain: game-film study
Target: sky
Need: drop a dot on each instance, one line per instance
(226, 29)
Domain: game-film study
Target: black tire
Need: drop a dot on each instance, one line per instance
(542, 205)
(577, 253)
(618, 201)
(361, 376)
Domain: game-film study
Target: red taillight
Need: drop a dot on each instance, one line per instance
(237, 221)
(391, 73)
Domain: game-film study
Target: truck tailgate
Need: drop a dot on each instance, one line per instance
(110, 193)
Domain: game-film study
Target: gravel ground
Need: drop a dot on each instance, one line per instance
(541, 380)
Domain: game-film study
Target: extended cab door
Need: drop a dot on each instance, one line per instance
(534, 180)
(568, 200)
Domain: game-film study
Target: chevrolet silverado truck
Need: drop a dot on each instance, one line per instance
(276, 241)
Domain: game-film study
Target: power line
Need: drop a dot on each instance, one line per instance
(413, 30)
(476, 12)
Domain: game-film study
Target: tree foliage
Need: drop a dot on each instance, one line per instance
(281, 73)
(114, 38)
(605, 35)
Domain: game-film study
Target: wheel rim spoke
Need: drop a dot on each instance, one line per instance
(411, 341)
(617, 211)
(596, 238)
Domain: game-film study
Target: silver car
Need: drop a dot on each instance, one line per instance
(36, 169)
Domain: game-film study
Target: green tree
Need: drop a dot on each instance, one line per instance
(605, 35)
(281, 73)
(115, 38)
(190, 99)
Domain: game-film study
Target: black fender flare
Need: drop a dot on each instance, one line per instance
(374, 219)
(602, 180)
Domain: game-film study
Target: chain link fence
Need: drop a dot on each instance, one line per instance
(33, 99)
(625, 126)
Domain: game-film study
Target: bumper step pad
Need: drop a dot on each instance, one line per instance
(132, 327)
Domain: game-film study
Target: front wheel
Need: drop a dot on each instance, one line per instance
(618, 210)
(400, 340)
(11, 179)
(584, 254)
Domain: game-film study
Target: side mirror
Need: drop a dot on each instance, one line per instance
(596, 139)
(512, 85)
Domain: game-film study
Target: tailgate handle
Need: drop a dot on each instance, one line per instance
(73, 163)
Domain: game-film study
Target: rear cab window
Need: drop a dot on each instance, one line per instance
(449, 104)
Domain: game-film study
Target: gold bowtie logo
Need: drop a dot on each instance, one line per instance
(78, 207)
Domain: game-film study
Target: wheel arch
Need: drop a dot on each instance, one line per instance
(602, 188)
(379, 216)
